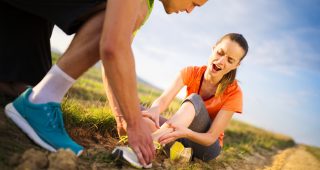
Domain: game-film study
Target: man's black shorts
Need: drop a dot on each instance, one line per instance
(68, 15)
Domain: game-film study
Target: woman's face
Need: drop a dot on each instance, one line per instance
(225, 57)
(181, 5)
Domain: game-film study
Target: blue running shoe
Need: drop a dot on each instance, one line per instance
(43, 123)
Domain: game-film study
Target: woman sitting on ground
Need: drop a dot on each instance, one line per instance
(213, 96)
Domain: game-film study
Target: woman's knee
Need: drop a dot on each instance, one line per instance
(196, 101)
(150, 123)
(201, 122)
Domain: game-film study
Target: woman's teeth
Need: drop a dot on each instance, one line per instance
(215, 67)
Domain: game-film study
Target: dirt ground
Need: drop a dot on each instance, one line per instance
(296, 158)
(17, 151)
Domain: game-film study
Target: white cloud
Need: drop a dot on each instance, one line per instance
(282, 52)
(268, 25)
(59, 40)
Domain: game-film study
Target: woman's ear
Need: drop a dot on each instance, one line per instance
(239, 64)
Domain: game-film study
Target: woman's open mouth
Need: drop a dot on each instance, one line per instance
(215, 68)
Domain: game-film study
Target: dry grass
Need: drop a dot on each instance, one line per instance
(88, 117)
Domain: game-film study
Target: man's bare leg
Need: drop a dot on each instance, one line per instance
(83, 51)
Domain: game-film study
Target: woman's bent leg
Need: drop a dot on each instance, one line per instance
(201, 123)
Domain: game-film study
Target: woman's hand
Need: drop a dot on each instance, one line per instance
(178, 132)
(153, 114)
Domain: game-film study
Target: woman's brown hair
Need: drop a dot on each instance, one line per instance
(230, 77)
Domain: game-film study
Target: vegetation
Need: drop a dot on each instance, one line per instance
(89, 120)
(314, 150)
(87, 108)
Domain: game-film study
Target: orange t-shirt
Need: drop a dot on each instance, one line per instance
(230, 99)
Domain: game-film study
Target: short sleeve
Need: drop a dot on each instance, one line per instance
(233, 101)
(186, 74)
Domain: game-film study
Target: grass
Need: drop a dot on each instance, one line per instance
(87, 107)
(242, 140)
(314, 151)
(88, 115)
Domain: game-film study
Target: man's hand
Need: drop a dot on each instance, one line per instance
(140, 141)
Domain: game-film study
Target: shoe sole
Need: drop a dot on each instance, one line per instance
(119, 153)
(15, 116)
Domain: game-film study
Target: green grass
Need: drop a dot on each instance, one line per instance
(86, 107)
(88, 116)
(242, 140)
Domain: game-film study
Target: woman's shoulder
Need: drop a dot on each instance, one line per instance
(192, 74)
(195, 69)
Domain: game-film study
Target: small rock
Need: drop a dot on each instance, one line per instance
(33, 159)
(63, 159)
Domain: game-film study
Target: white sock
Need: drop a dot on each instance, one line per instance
(52, 87)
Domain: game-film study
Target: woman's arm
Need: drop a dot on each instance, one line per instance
(219, 124)
(217, 127)
(162, 102)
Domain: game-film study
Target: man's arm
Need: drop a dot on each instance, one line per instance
(121, 123)
(118, 61)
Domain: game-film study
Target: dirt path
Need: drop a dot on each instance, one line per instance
(296, 158)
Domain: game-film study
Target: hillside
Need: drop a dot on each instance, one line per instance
(89, 121)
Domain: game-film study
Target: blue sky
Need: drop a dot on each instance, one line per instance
(280, 76)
